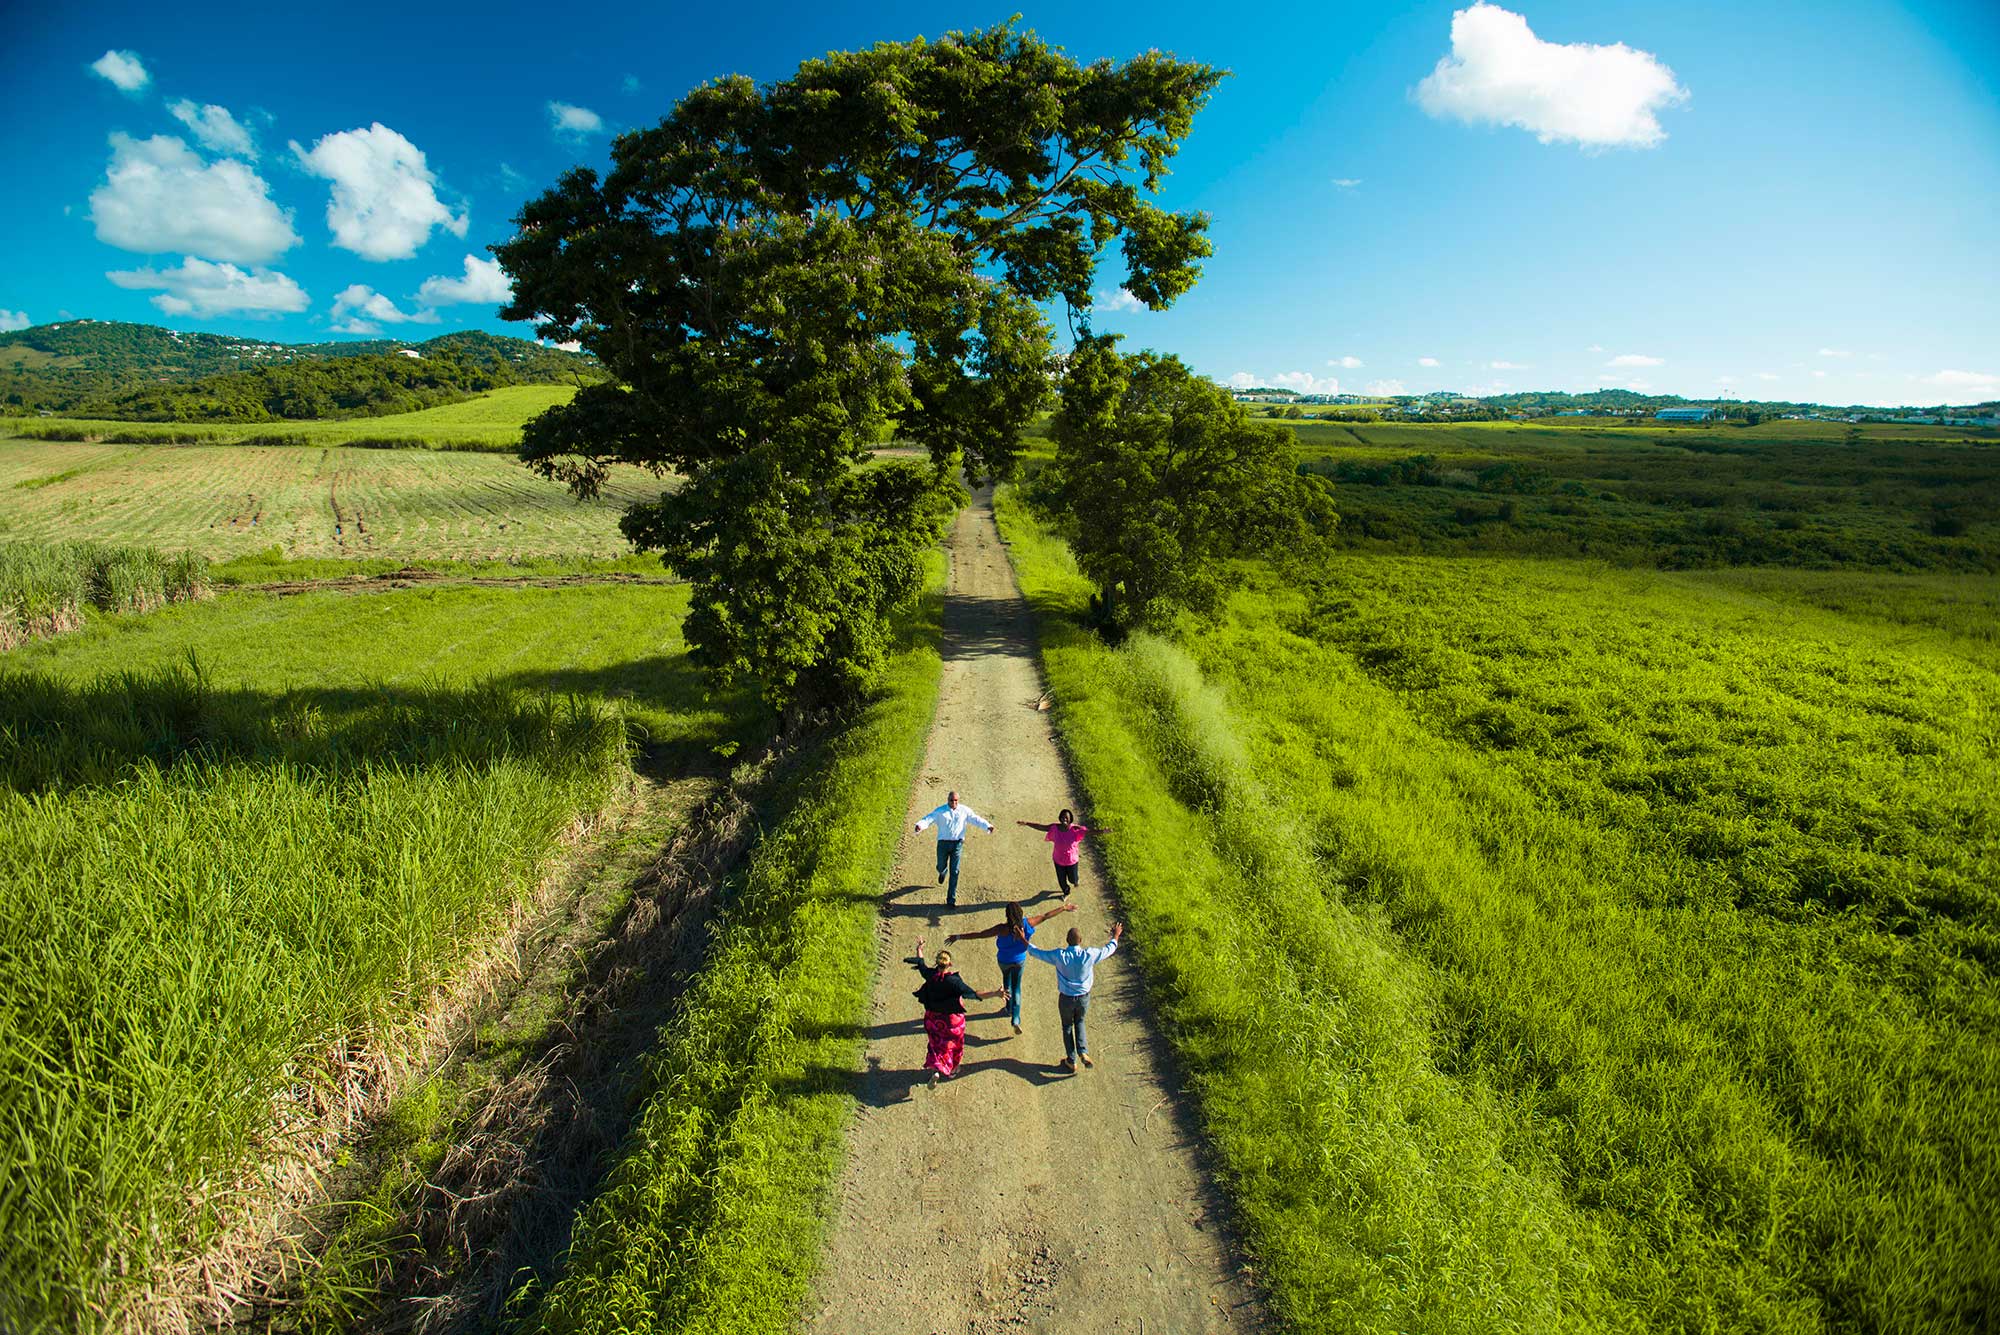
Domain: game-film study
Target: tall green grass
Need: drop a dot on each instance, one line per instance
(713, 1219)
(45, 588)
(1508, 980)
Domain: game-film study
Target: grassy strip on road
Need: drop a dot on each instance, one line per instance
(1531, 978)
(714, 1218)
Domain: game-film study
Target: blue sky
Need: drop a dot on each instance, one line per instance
(1771, 200)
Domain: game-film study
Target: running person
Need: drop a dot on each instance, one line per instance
(944, 995)
(1012, 950)
(1075, 966)
(1065, 834)
(951, 820)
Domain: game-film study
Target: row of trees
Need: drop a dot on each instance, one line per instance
(776, 276)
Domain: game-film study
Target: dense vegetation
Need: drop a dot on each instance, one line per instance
(78, 363)
(214, 881)
(45, 589)
(1620, 945)
(1790, 493)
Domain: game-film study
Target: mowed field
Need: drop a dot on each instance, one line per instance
(491, 421)
(1560, 946)
(228, 501)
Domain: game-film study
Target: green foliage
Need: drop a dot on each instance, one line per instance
(774, 275)
(65, 366)
(1554, 947)
(44, 589)
(214, 882)
(1159, 478)
(714, 1218)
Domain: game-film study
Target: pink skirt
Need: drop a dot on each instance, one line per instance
(947, 1035)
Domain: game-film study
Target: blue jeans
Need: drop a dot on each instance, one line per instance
(1010, 978)
(1071, 1010)
(948, 860)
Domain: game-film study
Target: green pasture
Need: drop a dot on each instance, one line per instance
(1559, 946)
(237, 836)
(492, 421)
(332, 503)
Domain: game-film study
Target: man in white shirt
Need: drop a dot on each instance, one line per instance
(951, 820)
(1076, 970)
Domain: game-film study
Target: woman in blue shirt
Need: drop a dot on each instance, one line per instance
(1012, 950)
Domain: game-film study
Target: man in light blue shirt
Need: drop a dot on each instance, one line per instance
(951, 820)
(1076, 968)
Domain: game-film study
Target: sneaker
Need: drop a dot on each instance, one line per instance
(1069, 1065)
(1088, 1062)
(935, 1077)
(940, 878)
(1017, 1026)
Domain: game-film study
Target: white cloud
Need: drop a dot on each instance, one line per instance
(1835, 352)
(1506, 366)
(632, 84)
(484, 284)
(1349, 362)
(1427, 361)
(1388, 389)
(1766, 375)
(1121, 300)
(1965, 386)
(214, 128)
(158, 195)
(1595, 347)
(1819, 375)
(1298, 382)
(574, 121)
(123, 69)
(200, 288)
(12, 320)
(366, 304)
(1499, 72)
(356, 326)
(1347, 182)
(1637, 359)
(384, 201)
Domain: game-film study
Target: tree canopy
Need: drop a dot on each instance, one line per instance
(1160, 478)
(778, 276)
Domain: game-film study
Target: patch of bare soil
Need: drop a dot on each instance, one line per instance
(1016, 1197)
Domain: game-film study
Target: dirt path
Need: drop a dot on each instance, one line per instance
(1015, 1197)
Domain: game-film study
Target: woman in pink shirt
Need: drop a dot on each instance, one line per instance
(1065, 834)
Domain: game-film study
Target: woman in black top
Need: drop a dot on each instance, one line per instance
(944, 995)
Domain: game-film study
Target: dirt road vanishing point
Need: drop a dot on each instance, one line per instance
(1015, 1197)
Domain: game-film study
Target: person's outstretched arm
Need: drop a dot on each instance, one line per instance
(929, 819)
(982, 934)
(1045, 956)
(1041, 918)
(1035, 825)
(975, 818)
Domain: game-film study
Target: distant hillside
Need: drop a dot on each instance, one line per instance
(76, 364)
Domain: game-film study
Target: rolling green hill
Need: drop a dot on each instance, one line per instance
(64, 367)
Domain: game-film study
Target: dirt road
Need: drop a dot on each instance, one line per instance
(1015, 1197)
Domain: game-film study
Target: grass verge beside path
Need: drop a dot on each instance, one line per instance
(1555, 947)
(714, 1218)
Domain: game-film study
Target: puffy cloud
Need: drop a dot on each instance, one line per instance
(1349, 362)
(1427, 361)
(1388, 389)
(1121, 300)
(1965, 386)
(1500, 73)
(1595, 347)
(1835, 352)
(355, 326)
(574, 121)
(384, 201)
(158, 195)
(484, 284)
(200, 288)
(1637, 359)
(123, 69)
(1506, 366)
(1767, 375)
(364, 304)
(12, 320)
(214, 128)
(1347, 182)
(1299, 382)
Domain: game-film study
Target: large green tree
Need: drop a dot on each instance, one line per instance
(777, 275)
(1161, 479)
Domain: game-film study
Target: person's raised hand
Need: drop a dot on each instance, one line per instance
(1117, 930)
(1067, 908)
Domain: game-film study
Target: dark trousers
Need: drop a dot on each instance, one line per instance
(1010, 978)
(1072, 1010)
(948, 861)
